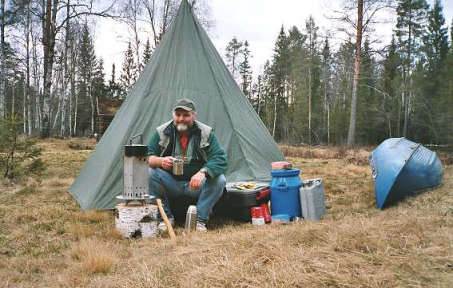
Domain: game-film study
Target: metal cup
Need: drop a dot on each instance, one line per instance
(178, 166)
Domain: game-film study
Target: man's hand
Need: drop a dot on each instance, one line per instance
(197, 180)
(167, 163)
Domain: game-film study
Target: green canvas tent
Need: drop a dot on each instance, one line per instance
(184, 65)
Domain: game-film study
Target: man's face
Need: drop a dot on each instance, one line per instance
(183, 119)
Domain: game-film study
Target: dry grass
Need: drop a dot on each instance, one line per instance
(47, 241)
(357, 156)
(55, 182)
(81, 145)
(95, 256)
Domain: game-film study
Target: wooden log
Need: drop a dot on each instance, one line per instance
(134, 221)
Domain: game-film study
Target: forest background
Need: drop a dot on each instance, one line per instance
(323, 85)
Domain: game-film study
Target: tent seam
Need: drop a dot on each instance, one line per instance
(223, 102)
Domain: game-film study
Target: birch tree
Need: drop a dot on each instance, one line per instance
(10, 12)
(52, 25)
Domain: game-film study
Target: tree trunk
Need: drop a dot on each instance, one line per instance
(63, 114)
(165, 18)
(137, 47)
(70, 111)
(151, 9)
(400, 107)
(48, 47)
(73, 95)
(2, 61)
(408, 92)
(38, 111)
(389, 125)
(65, 78)
(92, 108)
(24, 115)
(57, 114)
(326, 106)
(75, 112)
(275, 116)
(309, 103)
(328, 124)
(259, 96)
(27, 71)
(355, 81)
(35, 71)
(12, 98)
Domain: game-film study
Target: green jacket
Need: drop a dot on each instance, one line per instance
(203, 149)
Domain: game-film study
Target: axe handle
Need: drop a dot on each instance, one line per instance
(164, 216)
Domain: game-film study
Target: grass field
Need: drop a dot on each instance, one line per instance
(47, 241)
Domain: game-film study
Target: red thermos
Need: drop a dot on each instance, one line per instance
(266, 212)
(257, 214)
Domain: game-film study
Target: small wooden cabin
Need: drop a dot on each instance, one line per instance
(107, 109)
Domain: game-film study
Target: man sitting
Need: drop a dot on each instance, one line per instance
(204, 165)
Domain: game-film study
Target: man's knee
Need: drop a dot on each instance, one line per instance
(155, 174)
(221, 180)
(218, 183)
(156, 179)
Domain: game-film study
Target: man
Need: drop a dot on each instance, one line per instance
(204, 165)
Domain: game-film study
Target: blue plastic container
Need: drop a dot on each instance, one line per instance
(285, 198)
(280, 219)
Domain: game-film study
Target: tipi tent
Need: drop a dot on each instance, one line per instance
(184, 65)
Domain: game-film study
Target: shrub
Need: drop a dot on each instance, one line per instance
(18, 154)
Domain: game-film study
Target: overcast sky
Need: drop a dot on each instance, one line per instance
(257, 21)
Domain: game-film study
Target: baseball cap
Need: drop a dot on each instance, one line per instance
(185, 104)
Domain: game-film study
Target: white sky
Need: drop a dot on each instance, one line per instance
(258, 21)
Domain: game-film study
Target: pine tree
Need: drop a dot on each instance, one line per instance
(326, 64)
(436, 39)
(435, 49)
(128, 75)
(112, 82)
(297, 100)
(87, 62)
(113, 86)
(344, 70)
(257, 99)
(279, 81)
(98, 81)
(314, 103)
(233, 51)
(266, 97)
(245, 71)
(444, 116)
(87, 58)
(147, 53)
(411, 17)
(390, 80)
(18, 154)
(451, 36)
(369, 124)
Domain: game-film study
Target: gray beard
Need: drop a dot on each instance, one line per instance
(182, 127)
